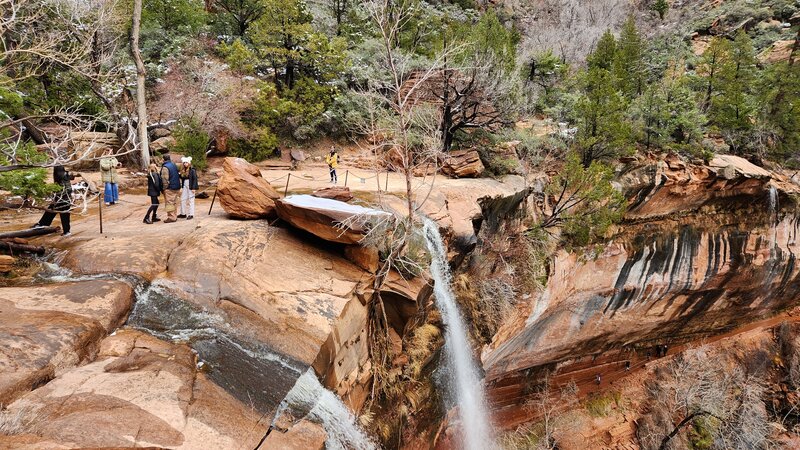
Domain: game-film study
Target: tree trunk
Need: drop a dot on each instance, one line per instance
(141, 106)
(14, 248)
(30, 232)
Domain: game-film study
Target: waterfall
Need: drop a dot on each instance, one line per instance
(309, 399)
(465, 388)
(773, 202)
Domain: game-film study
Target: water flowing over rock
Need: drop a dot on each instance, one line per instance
(308, 399)
(328, 219)
(465, 386)
(243, 192)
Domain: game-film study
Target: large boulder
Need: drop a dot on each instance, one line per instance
(163, 145)
(243, 192)
(328, 219)
(340, 193)
(45, 329)
(141, 391)
(463, 164)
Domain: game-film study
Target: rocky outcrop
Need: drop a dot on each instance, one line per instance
(6, 263)
(328, 219)
(365, 257)
(47, 329)
(140, 392)
(659, 188)
(462, 164)
(339, 193)
(243, 192)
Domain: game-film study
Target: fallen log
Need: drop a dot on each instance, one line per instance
(10, 247)
(30, 232)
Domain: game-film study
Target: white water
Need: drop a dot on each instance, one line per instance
(324, 407)
(773, 201)
(465, 387)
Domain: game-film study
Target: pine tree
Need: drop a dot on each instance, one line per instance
(661, 7)
(628, 65)
(733, 108)
(603, 129)
(603, 55)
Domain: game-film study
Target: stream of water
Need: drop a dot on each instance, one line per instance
(309, 399)
(464, 383)
(246, 369)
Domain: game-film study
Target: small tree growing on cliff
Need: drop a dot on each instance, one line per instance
(581, 201)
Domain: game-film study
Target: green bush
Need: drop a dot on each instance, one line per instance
(238, 56)
(192, 140)
(28, 183)
(263, 144)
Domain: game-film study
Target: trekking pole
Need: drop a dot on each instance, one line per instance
(346, 173)
(286, 190)
(100, 206)
(212, 201)
(387, 182)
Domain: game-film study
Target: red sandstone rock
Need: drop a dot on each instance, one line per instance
(462, 164)
(364, 257)
(340, 193)
(331, 220)
(243, 192)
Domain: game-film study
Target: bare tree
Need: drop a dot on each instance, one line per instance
(141, 100)
(694, 387)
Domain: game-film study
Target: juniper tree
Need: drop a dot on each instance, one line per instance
(628, 63)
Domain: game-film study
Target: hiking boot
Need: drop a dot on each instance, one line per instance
(67, 234)
(170, 221)
(189, 217)
(147, 221)
(156, 219)
(37, 226)
(181, 216)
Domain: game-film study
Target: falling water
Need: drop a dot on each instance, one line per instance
(464, 381)
(773, 201)
(310, 400)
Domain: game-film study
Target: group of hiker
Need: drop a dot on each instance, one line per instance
(170, 180)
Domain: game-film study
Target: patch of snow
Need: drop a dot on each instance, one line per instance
(311, 202)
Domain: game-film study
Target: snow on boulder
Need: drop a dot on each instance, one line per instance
(328, 219)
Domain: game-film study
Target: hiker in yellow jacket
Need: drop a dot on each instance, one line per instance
(333, 162)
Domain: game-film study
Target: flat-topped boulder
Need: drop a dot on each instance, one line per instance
(140, 392)
(243, 192)
(46, 329)
(329, 219)
(341, 193)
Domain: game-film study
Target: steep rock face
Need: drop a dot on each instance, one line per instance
(703, 253)
(47, 329)
(463, 164)
(102, 403)
(243, 192)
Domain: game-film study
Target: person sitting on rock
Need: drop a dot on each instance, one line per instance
(333, 162)
(155, 186)
(62, 202)
(108, 172)
(189, 187)
(172, 184)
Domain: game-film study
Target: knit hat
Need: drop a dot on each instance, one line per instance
(185, 159)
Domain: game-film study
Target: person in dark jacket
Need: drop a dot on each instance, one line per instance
(189, 188)
(62, 202)
(154, 188)
(171, 181)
